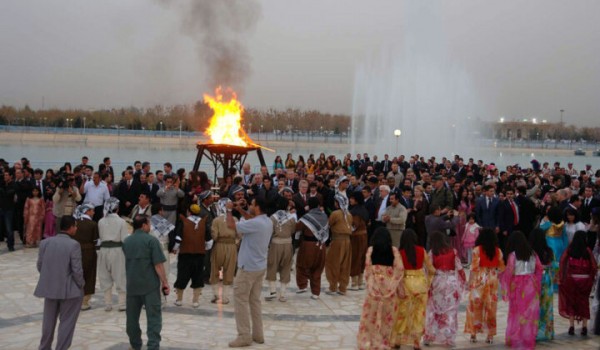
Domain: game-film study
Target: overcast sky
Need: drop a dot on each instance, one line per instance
(523, 57)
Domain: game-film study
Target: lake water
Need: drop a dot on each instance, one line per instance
(53, 155)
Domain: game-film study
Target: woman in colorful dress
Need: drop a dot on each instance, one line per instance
(575, 278)
(556, 237)
(383, 274)
(537, 240)
(483, 286)
(470, 237)
(33, 218)
(521, 288)
(445, 293)
(412, 301)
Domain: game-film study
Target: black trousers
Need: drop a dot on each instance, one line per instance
(190, 267)
(206, 267)
(98, 213)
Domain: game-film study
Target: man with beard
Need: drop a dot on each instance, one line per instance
(87, 235)
(310, 261)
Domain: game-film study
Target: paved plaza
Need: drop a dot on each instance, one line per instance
(299, 323)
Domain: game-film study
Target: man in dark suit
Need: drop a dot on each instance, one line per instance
(385, 165)
(508, 217)
(588, 203)
(290, 180)
(407, 202)
(486, 209)
(151, 188)
(528, 213)
(128, 193)
(301, 199)
(61, 284)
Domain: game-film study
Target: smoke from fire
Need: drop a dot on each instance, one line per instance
(219, 29)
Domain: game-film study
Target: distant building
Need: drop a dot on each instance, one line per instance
(525, 130)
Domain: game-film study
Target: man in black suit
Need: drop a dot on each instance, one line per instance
(508, 217)
(588, 203)
(150, 188)
(385, 165)
(301, 199)
(407, 202)
(128, 193)
(290, 180)
(528, 213)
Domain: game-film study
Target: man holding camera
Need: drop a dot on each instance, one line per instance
(145, 272)
(65, 199)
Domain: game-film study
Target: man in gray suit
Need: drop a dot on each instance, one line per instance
(61, 284)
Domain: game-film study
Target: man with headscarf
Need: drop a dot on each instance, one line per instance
(224, 253)
(358, 240)
(111, 260)
(191, 245)
(279, 259)
(87, 235)
(341, 186)
(310, 261)
(339, 254)
(161, 229)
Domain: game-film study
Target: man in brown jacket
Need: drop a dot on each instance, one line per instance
(339, 254)
(87, 235)
(191, 244)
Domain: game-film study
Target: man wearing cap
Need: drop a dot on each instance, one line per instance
(441, 196)
(339, 254)
(87, 235)
(191, 246)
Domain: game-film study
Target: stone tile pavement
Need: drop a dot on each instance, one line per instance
(299, 323)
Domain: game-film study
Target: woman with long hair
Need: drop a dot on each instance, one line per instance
(572, 223)
(278, 163)
(537, 240)
(205, 183)
(33, 217)
(557, 239)
(358, 239)
(412, 301)
(290, 163)
(575, 278)
(483, 286)
(310, 166)
(445, 292)
(420, 210)
(521, 288)
(383, 275)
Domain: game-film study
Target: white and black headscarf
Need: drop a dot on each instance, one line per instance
(111, 205)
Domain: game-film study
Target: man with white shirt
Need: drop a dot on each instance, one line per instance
(96, 193)
(384, 193)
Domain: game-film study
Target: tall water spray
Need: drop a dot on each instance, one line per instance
(412, 84)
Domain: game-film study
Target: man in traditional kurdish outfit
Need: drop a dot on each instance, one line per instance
(161, 229)
(339, 254)
(224, 253)
(144, 207)
(358, 240)
(310, 261)
(281, 251)
(191, 246)
(169, 195)
(87, 235)
(111, 261)
(206, 200)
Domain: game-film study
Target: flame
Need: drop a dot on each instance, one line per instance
(225, 124)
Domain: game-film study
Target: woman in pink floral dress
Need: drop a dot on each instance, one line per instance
(383, 274)
(33, 216)
(521, 285)
(445, 292)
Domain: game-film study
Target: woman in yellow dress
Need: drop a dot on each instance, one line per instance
(412, 301)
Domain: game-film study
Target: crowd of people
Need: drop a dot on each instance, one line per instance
(404, 229)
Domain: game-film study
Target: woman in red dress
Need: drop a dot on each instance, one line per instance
(576, 276)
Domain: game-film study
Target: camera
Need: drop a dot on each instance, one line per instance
(65, 181)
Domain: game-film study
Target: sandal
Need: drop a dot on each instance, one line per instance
(571, 330)
(473, 339)
(489, 340)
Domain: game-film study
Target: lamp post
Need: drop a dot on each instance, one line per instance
(84, 125)
(161, 126)
(561, 115)
(180, 126)
(260, 131)
(397, 133)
